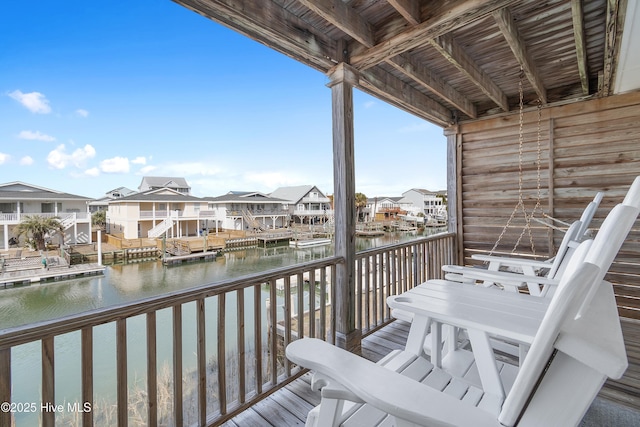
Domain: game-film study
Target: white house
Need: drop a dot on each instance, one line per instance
(384, 208)
(430, 203)
(307, 204)
(19, 199)
(244, 210)
(157, 182)
(156, 212)
(103, 202)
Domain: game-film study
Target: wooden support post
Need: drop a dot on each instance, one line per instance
(343, 77)
(454, 192)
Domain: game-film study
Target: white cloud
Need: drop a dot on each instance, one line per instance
(369, 104)
(33, 101)
(92, 172)
(59, 159)
(115, 165)
(26, 161)
(4, 158)
(37, 135)
(139, 161)
(82, 113)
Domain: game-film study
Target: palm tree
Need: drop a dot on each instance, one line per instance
(99, 218)
(361, 202)
(36, 228)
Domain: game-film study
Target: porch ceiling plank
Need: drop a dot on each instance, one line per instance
(425, 77)
(348, 20)
(443, 17)
(386, 86)
(409, 9)
(577, 13)
(273, 26)
(344, 17)
(454, 53)
(615, 18)
(518, 47)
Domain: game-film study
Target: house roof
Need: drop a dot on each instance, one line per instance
(380, 199)
(17, 190)
(157, 195)
(164, 181)
(245, 197)
(449, 61)
(294, 194)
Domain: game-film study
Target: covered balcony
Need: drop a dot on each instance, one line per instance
(540, 105)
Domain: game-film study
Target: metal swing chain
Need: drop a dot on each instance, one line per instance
(520, 203)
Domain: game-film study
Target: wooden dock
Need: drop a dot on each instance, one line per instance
(53, 273)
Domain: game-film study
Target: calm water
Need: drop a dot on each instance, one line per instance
(125, 283)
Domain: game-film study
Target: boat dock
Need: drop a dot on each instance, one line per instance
(25, 271)
(192, 257)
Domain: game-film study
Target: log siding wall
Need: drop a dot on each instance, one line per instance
(586, 147)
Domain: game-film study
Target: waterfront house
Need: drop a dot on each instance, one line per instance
(306, 204)
(248, 210)
(429, 203)
(539, 101)
(386, 208)
(19, 199)
(102, 204)
(154, 213)
(156, 182)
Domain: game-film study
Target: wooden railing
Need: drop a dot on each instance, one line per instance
(240, 334)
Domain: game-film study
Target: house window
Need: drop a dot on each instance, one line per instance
(8, 207)
(50, 207)
(196, 207)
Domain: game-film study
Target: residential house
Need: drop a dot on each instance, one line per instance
(156, 182)
(244, 210)
(386, 208)
(307, 204)
(155, 212)
(430, 203)
(19, 200)
(102, 204)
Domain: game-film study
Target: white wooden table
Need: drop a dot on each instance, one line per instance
(482, 312)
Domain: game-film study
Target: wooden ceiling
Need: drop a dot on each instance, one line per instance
(444, 60)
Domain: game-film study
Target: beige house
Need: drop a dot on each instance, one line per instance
(19, 200)
(156, 212)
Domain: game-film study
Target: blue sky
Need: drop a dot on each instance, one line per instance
(95, 95)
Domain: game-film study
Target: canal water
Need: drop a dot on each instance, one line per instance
(122, 284)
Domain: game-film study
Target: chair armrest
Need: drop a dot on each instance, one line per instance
(385, 389)
(502, 277)
(512, 261)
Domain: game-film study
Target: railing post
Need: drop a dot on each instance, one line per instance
(343, 78)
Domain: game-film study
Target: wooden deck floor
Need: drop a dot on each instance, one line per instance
(290, 405)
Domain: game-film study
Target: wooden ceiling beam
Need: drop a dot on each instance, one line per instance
(344, 17)
(409, 9)
(423, 76)
(615, 21)
(467, 66)
(273, 26)
(518, 47)
(442, 17)
(385, 86)
(577, 13)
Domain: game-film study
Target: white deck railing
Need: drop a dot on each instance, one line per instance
(248, 362)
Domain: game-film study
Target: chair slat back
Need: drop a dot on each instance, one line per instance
(578, 274)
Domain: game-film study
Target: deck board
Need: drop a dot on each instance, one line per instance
(297, 398)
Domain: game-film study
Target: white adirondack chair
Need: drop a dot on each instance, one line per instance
(576, 232)
(537, 285)
(607, 244)
(570, 358)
